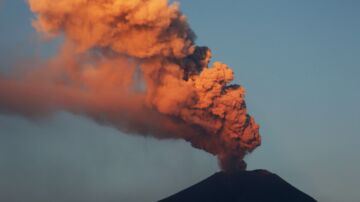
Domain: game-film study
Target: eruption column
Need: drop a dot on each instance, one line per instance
(134, 65)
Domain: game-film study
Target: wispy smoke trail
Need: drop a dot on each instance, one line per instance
(133, 64)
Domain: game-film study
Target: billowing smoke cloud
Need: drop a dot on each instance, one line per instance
(133, 64)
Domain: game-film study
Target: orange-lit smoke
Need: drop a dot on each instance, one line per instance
(133, 64)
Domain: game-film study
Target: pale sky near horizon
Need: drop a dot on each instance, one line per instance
(299, 62)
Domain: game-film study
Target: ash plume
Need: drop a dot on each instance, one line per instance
(134, 65)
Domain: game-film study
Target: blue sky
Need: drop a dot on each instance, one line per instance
(298, 60)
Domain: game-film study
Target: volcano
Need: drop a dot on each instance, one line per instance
(243, 186)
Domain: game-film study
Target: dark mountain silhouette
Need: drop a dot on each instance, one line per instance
(244, 186)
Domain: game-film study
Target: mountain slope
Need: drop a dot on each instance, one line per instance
(244, 186)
